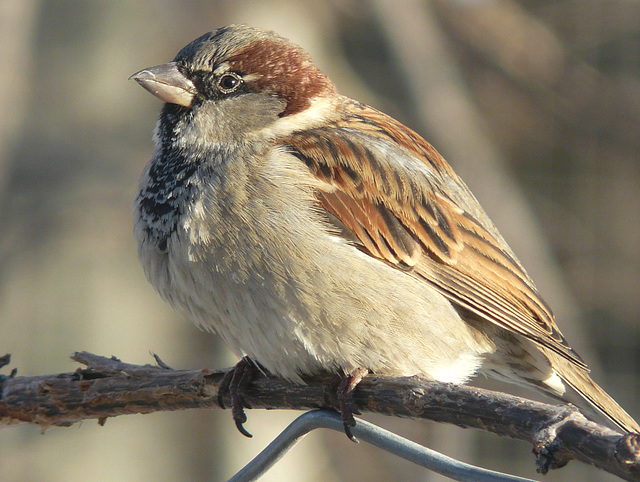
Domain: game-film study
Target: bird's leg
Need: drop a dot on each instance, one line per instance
(234, 382)
(346, 386)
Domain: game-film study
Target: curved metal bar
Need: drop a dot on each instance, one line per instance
(370, 433)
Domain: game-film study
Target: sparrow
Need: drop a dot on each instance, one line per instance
(316, 234)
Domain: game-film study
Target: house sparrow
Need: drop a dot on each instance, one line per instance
(315, 234)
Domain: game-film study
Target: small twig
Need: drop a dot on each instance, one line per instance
(5, 360)
(160, 363)
(108, 387)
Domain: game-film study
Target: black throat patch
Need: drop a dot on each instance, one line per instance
(167, 195)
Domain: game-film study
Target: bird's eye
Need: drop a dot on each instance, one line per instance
(229, 82)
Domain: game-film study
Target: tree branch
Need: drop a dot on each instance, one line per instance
(108, 387)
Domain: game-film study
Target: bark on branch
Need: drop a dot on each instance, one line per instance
(108, 387)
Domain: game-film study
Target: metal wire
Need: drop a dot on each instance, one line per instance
(370, 433)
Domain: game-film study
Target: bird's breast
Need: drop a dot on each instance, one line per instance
(252, 257)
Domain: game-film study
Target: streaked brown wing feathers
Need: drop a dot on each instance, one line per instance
(408, 220)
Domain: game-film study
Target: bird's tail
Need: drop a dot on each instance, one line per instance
(585, 389)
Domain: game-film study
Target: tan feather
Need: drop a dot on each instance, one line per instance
(406, 206)
(411, 221)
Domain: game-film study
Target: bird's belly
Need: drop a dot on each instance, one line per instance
(337, 309)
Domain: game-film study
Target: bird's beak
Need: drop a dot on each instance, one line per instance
(167, 83)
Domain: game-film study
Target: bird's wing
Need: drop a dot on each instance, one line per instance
(404, 205)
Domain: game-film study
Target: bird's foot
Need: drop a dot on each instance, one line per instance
(234, 382)
(345, 389)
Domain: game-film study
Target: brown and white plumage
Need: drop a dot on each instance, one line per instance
(430, 225)
(316, 233)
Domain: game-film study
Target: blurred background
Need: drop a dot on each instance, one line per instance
(536, 104)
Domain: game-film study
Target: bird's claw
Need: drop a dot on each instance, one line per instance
(233, 383)
(345, 389)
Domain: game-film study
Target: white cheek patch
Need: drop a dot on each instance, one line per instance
(320, 111)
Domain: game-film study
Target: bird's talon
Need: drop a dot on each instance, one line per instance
(233, 382)
(349, 433)
(346, 387)
(241, 428)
